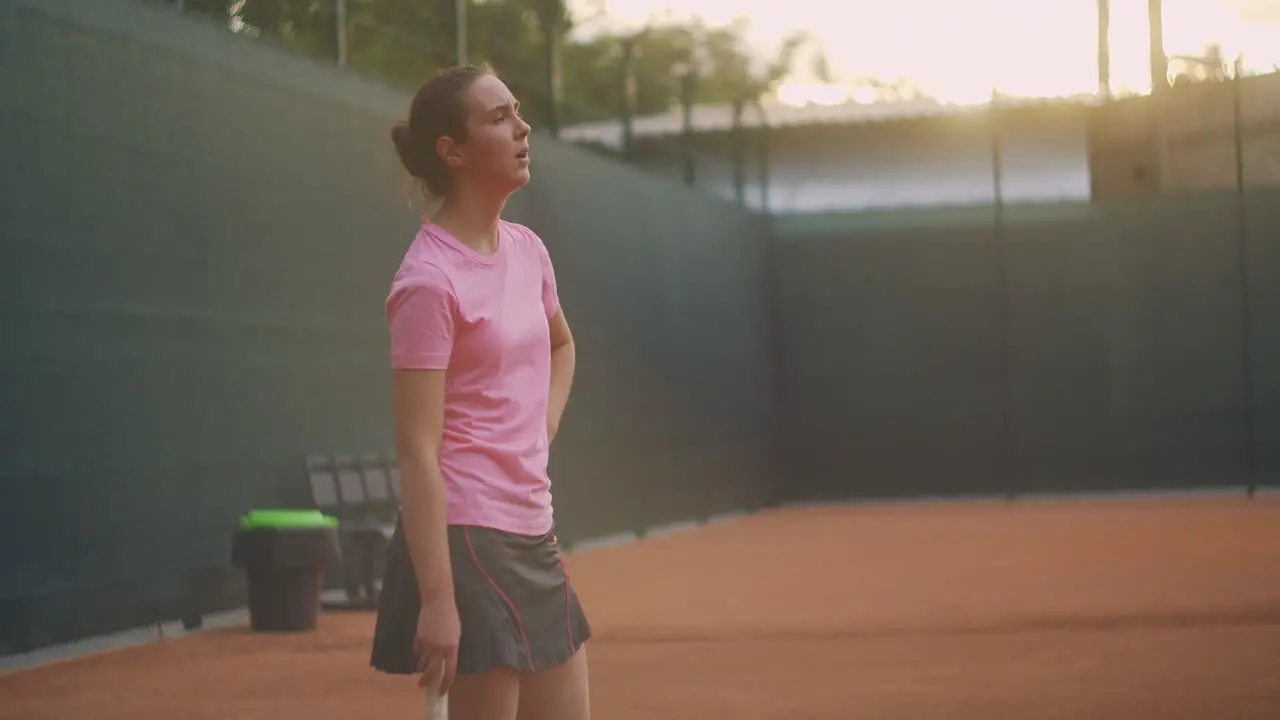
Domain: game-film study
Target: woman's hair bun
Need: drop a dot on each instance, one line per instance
(410, 155)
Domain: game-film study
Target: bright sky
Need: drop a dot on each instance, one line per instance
(960, 50)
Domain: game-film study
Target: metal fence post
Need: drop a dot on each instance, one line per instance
(1104, 48)
(629, 52)
(1242, 256)
(688, 89)
(340, 27)
(460, 32)
(555, 81)
(762, 157)
(739, 150)
(1159, 60)
(1008, 445)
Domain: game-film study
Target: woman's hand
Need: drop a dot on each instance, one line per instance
(436, 642)
(562, 363)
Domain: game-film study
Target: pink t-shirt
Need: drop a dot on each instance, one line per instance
(484, 319)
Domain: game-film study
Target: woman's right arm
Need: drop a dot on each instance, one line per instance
(419, 423)
(420, 312)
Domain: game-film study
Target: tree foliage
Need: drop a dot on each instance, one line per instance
(1212, 66)
(403, 41)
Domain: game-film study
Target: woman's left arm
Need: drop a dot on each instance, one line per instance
(562, 362)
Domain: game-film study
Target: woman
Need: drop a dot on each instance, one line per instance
(475, 596)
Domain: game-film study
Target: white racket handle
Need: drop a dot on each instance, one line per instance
(437, 704)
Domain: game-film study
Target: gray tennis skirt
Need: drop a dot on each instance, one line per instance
(517, 606)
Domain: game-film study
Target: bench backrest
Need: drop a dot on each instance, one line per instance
(355, 487)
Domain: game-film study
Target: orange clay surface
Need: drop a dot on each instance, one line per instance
(1089, 609)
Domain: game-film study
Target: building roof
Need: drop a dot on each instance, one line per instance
(719, 118)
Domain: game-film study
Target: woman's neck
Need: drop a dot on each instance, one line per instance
(472, 220)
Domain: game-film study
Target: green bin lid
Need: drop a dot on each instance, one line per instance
(287, 519)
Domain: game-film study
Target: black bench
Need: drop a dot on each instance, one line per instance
(363, 493)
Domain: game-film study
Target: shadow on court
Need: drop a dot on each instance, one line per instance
(1127, 609)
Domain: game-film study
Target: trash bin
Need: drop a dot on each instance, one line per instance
(284, 554)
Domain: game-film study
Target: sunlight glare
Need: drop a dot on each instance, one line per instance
(961, 51)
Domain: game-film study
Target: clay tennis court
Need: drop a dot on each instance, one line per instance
(1124, 608)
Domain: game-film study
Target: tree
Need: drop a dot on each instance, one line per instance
(727, 72)
(1212, 66)
(403, 41)
(306, 26)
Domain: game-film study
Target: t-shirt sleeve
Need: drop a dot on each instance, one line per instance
(550, 293)
(420, 316)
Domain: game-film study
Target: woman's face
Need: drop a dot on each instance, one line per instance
(495, 156)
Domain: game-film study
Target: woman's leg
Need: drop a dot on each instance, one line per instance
(558, 693)
(491, 695)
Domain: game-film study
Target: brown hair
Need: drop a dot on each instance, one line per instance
(438, 110)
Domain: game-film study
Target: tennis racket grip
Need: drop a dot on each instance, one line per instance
(437, 704)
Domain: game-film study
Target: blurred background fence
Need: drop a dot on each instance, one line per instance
(1115, 346)
(1112, 328)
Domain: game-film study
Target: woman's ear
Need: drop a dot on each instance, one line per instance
(449, 151)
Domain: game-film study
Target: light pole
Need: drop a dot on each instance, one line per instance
(460, 32)
(688, 79)
(1104, 48)
(630, 54)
